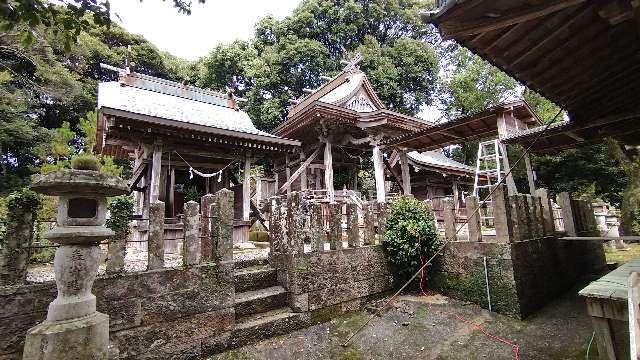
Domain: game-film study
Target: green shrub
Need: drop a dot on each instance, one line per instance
(121, 211)
(85, 162)
(25, 199)
(410, 232)
(257, 235)
(192, 194)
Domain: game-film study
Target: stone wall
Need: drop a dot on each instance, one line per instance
(155, 314)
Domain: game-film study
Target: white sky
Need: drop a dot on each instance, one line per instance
(191, 36)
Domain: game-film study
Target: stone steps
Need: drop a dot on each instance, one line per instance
(256, 327)
(260, 301)
(255, 277)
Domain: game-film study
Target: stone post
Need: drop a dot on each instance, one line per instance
(73, 328)
(564, 200)
(191, 243)
(502, 219)
(116, 254)
(382, 220)
(335, 226)
(14, 256)
(155, 254)
(353, 230)
(473, 215)
(206, 226)
(369, 236)
(295, 223)
(316, 227)
(222, 226)
(275, 226)
(547, 212)
(449, 219)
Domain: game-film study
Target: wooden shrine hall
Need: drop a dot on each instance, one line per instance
(183, 140)
(340, 125)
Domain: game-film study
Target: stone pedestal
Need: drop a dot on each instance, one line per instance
(82, 338)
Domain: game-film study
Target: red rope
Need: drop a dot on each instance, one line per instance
(516, 348)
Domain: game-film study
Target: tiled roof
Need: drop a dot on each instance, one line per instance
(437, 159)
(164, 99)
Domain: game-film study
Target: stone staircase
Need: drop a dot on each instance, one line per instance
(261, 304)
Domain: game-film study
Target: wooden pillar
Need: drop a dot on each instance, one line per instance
(155, 172)
(328, 171)
(456, 195)
(511, 185)
(379, 174)
(164, 174)
(303, 175)
(258, 190)
(355, 178)
(172, 194)
(318, 179)
(530, 177)
(406, 177)
(246, 189)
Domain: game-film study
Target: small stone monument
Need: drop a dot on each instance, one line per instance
(73, 328)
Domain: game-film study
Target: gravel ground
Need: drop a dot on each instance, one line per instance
(135, 261)
(418, 327)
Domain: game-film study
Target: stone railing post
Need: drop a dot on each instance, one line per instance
(353, 228)
(564, 200)
(14, 256)
(547, 211)
(155, 254)
(381, 216)
(502, 218)
(191, 244)
(295, 223)
(206, 227)
(275, 226)
(473, 215)
(449, 219)
(369, 233)
(316, 227)
(221, 211)
(335, 226)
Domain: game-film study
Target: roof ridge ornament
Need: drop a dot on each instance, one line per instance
(351, 65)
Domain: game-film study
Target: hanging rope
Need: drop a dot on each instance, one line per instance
(204, 175)
(448, 240)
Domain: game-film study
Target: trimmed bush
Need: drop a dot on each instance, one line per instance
(411, 232)
(121, 211)
(85, 162)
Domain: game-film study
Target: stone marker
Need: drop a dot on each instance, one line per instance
(475, 229)
(73, 329)
(335, 226)
(206, 227)
(353, 230)
(316, 227)
(222, 225)
(449, 219)
(369, 233)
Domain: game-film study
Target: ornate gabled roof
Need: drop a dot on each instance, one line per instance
(438, 161)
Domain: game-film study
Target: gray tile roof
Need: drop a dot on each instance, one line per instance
(437, 159)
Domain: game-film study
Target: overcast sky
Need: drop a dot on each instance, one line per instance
(191, 36)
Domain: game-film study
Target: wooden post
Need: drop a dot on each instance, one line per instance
(246, 189)
(475, 229)
(164, 174)
(511, 185)
(303, 175)
(172, 194)
(449, 220)
(456, 195)
(258, 190)
(328, 171)
(155, 172)
(406, 177)
(530, 177)
(564, 200)
(379, 174)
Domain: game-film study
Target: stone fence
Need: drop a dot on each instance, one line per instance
(328, 256)
(526, 263)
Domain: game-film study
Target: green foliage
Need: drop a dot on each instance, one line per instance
(18, 201)
(259, 236)
(85, 162)
(87, 126)
(410, 235)
(545, 109)
(121, 211)
(192, 194)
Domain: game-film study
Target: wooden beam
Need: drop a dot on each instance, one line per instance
(287, 173)
(328, 171)
(156, 163)
(526, 13)
(300, 170)
(394, 176)
(379, 174)
(246, 189)
(303, 174)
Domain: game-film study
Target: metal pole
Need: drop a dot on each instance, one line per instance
(486, 281)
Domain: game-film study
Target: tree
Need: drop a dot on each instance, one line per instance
(288, 56)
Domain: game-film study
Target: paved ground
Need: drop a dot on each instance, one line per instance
(426, 328)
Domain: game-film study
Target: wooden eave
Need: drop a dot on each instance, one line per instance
(124, 130)
(582, 55)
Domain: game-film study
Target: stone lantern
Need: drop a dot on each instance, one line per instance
(73, 328)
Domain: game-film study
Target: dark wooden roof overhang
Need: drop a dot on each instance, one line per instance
(582, 55)
(476, 126)
(123, 130)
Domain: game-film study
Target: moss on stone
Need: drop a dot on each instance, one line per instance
(351, 354)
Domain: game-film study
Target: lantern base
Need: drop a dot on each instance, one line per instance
(81, 338)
